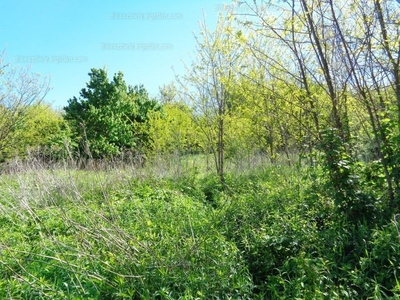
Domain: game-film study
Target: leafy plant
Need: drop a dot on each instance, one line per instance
(109, 117)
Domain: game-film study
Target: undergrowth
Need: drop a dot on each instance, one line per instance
(269, 233)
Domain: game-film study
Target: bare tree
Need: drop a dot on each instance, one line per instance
(19, 89)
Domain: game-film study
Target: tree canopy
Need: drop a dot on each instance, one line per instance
(110, 116)
(19, 89)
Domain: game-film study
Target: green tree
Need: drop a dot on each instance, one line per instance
(110, 117)
(208, 84)
(19, 89)
(333, 53)
(43, 132)
(173, 130)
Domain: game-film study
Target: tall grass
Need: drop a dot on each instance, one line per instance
(168, 229)
(68, 233)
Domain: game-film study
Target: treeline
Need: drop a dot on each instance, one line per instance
(320, 79)
(109, 119)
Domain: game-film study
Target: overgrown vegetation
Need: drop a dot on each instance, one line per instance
(270, 232)
(269, 171)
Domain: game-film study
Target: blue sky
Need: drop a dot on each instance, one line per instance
(64, 39)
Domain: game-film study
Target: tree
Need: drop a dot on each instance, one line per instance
(342, 50)
(43, 132)
(207, 85)
(273, 115)
(168, 93)
(173, 131)
(372, 56)
(110, 117)
(19, 89)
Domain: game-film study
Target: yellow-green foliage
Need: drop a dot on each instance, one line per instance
(42, 127)
(173, 130)
(240, 136)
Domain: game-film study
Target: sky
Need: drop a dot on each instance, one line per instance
(64, 39)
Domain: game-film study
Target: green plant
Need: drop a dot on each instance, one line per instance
(109, 117)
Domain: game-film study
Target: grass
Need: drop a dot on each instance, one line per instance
(169, 230)
(104, 235)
